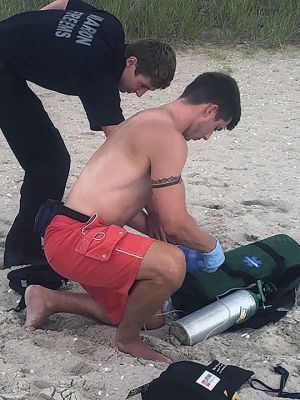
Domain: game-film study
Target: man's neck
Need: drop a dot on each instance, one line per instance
(181, 113)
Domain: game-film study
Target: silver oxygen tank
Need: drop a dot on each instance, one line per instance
(215, 318)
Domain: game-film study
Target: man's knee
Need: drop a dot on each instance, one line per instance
(171, 268)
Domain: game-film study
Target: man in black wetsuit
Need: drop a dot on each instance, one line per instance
(72, 48)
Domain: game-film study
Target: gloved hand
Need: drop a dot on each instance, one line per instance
(197, 261)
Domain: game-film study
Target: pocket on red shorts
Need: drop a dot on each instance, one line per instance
(100, 242)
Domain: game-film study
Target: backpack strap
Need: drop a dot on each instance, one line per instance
(21, 305)
(278, 392)
(280, 261)
(239, 274)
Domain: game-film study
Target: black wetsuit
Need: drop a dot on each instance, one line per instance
(78, 51)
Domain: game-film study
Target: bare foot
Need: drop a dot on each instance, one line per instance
(139, 349)
(37, 310)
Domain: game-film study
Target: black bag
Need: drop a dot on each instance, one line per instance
(190, 380)
(44, 275)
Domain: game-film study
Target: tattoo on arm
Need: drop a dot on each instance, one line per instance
(160, 183)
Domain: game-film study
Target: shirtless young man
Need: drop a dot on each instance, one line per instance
(129, 276)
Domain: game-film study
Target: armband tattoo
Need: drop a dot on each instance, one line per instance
(160, 183)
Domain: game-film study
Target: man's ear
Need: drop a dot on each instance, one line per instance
(131, 61)
(210, 111)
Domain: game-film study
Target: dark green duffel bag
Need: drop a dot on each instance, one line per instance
(272, 265)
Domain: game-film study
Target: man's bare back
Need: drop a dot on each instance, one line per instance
(116, 181)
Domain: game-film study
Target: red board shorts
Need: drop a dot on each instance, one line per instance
(104, 259)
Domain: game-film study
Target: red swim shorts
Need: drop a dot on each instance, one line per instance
(104, 259)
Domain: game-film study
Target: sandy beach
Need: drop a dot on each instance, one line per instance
(241, 186)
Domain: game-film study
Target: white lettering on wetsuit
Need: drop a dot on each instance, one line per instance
(87, 30)
(67, 24)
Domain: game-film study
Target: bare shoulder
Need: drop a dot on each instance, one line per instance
(157, 130)
(157, 116)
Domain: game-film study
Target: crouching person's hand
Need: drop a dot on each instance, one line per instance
(197, 261)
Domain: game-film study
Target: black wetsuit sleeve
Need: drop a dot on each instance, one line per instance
(102, 105)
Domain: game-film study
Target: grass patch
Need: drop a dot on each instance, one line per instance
(267, 23)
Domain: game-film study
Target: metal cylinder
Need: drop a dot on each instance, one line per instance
(215, 318)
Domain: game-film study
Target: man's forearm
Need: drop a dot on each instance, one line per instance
(187, 232)
(150, 207)
(56, 5)
(139, 222)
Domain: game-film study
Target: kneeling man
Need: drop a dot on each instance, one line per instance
(128, 276)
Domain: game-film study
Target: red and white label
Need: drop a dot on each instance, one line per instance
(208, 380)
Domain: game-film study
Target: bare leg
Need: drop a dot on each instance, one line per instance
(156, 321)
(42, 302)
(154, 286)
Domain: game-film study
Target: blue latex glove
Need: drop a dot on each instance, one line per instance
(197, 261)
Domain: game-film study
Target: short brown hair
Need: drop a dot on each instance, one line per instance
(155, 59)
(217, 88)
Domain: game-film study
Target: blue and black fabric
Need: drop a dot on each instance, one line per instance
(47, 212)
(45, 215)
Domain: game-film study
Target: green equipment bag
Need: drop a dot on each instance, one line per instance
(271, 265)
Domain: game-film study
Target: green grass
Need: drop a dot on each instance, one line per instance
(267, 23)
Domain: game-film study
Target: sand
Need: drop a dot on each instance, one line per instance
(241, 186)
